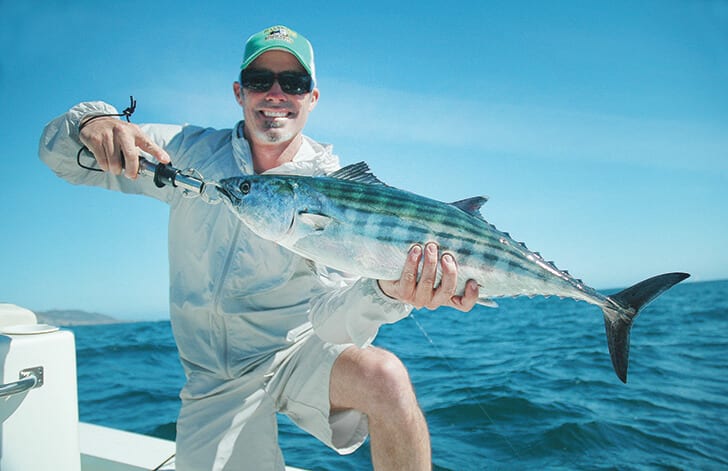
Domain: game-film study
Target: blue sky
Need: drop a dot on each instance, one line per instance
(599, 130)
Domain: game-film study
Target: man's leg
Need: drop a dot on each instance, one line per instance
(232, 428)
(375, 382)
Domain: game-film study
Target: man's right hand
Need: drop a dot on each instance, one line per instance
(110, 140)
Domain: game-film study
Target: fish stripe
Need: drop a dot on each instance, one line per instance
(396, 217)
(448, 225)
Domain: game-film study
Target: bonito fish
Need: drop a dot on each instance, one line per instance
(351, 221)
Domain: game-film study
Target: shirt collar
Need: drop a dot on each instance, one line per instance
(311, 159)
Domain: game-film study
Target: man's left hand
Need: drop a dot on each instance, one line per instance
(424, 293)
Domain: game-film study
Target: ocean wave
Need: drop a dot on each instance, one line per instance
(529, 385)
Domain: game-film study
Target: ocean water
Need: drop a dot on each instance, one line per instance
(526, 386)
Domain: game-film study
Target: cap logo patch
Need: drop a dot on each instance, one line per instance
(279, 33)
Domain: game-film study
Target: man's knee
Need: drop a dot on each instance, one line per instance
(373, 381)
(388, 384)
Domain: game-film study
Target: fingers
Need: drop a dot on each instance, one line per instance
(116, 145)
(467, 301)
(125, 153)
(431, 297)
(99, 141)
(448, 283)
(147, 145)
(408, 280)
(424, 291)
(404, 288)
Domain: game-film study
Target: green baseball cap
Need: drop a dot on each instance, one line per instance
(280, 38)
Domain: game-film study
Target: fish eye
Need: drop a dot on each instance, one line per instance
(245, 187)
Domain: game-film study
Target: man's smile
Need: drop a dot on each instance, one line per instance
(275, 114)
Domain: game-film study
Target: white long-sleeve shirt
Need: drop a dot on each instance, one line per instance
(235, 299)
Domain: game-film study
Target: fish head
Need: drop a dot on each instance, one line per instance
(266, 204)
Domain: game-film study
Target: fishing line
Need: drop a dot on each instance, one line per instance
(164, 463)
(469, 392)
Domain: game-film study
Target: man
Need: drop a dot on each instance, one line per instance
(261, 330)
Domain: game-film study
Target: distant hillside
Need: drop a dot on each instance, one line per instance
(73, 317)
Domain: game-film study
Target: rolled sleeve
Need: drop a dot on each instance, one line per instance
(354, 313)
(60, 142)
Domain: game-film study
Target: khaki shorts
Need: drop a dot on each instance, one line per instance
(234, 425)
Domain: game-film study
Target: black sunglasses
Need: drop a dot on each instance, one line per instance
(261, 80)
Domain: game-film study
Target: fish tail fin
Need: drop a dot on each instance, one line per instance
(623, 308)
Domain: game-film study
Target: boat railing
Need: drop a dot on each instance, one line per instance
(30, 378)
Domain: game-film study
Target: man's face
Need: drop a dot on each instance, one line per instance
(273, 116)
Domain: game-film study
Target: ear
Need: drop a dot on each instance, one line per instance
(314, 99)
(238, 91)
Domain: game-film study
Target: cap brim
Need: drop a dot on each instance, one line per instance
(276, 47)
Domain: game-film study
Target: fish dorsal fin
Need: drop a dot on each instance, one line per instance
(358, 172)
(471, 205)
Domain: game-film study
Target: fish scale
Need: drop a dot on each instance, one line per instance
(351, 221)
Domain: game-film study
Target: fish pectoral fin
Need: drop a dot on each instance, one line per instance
(487, 302)
(318, 222)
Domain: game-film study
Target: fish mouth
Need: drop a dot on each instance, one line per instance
(227, 194)
(222, 190)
